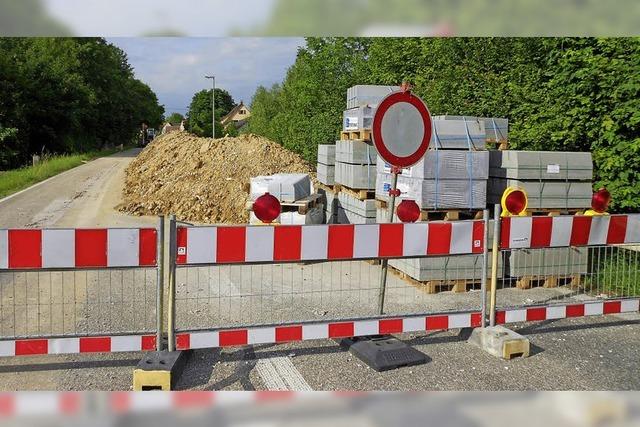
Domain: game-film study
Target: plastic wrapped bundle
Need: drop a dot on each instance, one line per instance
(446, 164)
(440, 194)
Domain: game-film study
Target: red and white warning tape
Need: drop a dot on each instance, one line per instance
(81, 248)
(311, 331)
(562, 231)
(596, 308)
(237, 245)
(326, 330)
(77, 345)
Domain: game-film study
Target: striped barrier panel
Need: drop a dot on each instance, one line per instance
(564, 231)
(554, 312)
(269, 244)
(77, 345)
(77, 248)
(383, 326)
(325, 330)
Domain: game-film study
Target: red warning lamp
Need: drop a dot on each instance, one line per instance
(408, 211)
(267, 208)
(600, 200)
(514, 202)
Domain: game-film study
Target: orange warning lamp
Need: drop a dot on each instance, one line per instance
(267, 208)
(599, 203)
(408, 211)
(514, 202)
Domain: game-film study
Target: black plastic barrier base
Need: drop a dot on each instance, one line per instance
(384, 352)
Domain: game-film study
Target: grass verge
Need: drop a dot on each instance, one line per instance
(18, 179)
(616, 272)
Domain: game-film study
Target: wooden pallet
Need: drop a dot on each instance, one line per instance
(441, 215)
(301, 206)
(327, 188)
(436, 286)
(355, 135)
(358, 194)
(553, 281)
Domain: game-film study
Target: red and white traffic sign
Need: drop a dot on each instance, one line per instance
(402, 129)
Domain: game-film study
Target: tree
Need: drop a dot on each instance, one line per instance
(175, 118)
(567, 94)
(199, 115)
(65, 95)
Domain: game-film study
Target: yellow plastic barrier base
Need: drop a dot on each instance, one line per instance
(159, 371)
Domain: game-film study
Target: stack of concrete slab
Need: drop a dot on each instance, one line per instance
(496, 129)
(326, 164)
(287, 188)
(368, 95)
(560, 180)
(548, 262)
(451, 268)
(458, 134)
(329, 199)
(358, 118)
(356, 164)
(443, 179)
(314, 215)
(352, 210)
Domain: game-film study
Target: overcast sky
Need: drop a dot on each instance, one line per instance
(175, 67)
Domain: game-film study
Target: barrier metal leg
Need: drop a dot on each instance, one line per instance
(160, 285)
(172, 284)
(485, 262)
(385, 262)
(494, 263)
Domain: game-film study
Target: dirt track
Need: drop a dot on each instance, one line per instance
(82, 197)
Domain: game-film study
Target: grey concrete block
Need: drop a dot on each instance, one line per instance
(326, 174)
(541, 165)
(500, 342)
(545, 194)
(436, 194)
(358, 177)
(446, 164)
(327, 154)
(497, 129)
(548, 262)
(356, 152)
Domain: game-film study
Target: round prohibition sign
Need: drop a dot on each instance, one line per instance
(402, 129)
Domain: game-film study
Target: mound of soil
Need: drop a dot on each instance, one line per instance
(201, 179)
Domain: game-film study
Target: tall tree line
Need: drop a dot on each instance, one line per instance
(68, 95)
(562, 94)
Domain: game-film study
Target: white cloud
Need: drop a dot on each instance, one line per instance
(175, 67)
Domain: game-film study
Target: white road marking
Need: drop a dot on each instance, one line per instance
(279, 374)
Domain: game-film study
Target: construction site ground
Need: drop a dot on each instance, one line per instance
(595, 353)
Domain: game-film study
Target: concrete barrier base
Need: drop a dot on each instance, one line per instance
(500, 342)
(159, 371)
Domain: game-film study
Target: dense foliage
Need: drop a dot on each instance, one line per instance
(199, 115)
(175, 118)
(68, 95)
(558, 93)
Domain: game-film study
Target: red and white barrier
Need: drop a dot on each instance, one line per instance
(238, 245)
(80, 248)
(563, 231)
(552, 312)
(77, 345)
(325, 330)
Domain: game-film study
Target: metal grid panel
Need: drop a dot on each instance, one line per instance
(75, 303)
(559, 275)
(246, 295)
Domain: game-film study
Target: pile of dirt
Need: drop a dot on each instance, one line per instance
(201, 179)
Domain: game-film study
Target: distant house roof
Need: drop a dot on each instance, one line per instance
(236, 114)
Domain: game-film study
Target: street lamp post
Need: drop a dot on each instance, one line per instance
(213, 103)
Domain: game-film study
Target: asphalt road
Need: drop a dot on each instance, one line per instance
(592, 353)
